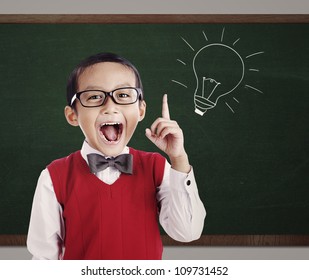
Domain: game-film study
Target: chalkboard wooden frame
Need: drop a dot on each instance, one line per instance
(155, 18)
(205, 240)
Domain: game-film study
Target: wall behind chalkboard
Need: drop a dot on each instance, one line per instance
(249, 152)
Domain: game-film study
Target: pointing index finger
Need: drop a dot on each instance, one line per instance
(165, 110)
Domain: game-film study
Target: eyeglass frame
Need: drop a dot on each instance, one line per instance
(107, 94)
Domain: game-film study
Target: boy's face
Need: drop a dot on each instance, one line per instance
(110, 127)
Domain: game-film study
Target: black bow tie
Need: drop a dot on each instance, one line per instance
(123, 163)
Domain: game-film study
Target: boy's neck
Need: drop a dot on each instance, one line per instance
(87, 149)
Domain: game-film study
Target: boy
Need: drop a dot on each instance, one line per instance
(102, 202)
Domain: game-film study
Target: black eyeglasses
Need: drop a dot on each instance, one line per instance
(96, 98)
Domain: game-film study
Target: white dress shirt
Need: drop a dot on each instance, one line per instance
(181, 214)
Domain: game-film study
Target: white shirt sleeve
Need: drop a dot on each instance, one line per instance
(46, 228)
(182, 213)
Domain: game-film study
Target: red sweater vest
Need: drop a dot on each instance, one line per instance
(118, 221)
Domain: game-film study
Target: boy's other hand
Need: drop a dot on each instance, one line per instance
(168, 137)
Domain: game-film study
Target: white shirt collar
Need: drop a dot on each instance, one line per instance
(87, 149)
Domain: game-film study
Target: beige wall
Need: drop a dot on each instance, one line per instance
(158, 6)
(198, 253)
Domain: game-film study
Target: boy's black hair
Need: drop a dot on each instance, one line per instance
(72, 84)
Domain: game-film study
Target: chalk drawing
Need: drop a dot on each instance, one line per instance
(219, 70)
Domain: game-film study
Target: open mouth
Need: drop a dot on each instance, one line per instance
(111, 131)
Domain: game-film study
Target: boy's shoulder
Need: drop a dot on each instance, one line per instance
(74, 156)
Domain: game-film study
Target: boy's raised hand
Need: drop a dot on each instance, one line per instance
(168, 137)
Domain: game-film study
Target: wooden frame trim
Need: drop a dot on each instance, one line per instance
(205, 240)
(243, 240)
(153, 18)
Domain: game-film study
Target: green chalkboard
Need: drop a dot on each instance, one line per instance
(249, 149)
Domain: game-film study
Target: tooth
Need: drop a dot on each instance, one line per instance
(115, 123)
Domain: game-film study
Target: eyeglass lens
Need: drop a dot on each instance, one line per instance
(93, 98)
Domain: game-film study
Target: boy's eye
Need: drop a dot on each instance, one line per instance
(89, 98)
(123, 95)
(93, 97)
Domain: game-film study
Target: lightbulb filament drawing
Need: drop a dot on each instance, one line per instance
(218, 70)
(202, 102)
(210, 86)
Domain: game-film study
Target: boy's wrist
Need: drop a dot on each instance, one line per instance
(181, 163)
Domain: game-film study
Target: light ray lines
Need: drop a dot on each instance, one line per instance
(188, 44)
(179, 83)
(253, 54)
(229, 107)
(236, 42)
(251, 87)
(205, 36)
(222, 35)
(181, 61)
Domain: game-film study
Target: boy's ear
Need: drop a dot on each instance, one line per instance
(71, 116)
(142, 110)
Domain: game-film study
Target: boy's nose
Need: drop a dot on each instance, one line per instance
(109, 106)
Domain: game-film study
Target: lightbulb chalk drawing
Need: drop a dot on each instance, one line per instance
(218, 69)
